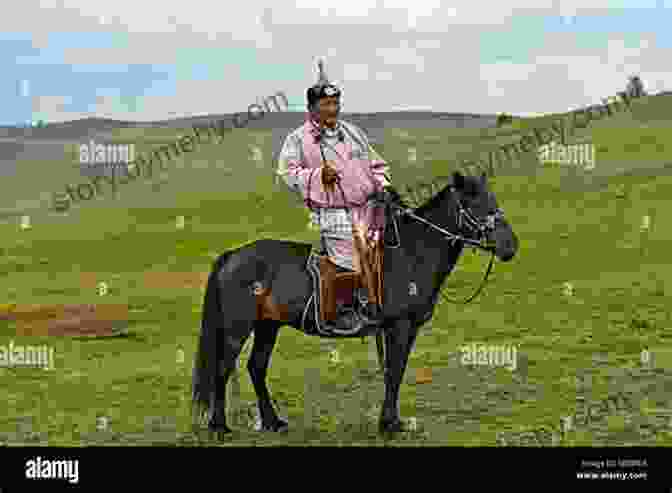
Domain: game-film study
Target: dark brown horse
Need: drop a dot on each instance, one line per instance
(432, 238)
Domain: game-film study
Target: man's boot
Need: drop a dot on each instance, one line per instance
(347, 321)
(371, 308)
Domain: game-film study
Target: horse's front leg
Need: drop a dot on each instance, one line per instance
(380, 347)
(398, 344)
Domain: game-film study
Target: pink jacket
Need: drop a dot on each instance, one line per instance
(360, 176)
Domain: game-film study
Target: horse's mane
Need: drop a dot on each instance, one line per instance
(472, 186)
(434, 200)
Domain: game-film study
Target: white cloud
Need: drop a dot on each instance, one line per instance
(380, 62)
(428, 44)
(47, 104)
(384, 76)
(356, 72)
(402, 55)
(204, 16)
(52, 109)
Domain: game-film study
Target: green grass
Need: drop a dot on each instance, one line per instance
(588, 236)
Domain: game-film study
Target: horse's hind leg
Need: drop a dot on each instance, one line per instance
(229, 348)
(265, 335)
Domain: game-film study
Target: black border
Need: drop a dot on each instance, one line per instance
(502, 468)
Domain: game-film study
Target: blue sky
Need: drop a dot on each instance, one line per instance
(76, 66)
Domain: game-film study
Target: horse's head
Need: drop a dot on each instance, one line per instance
(479, 217)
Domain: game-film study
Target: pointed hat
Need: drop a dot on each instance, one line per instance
(323, 88)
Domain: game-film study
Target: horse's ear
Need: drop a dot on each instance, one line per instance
(458, 180)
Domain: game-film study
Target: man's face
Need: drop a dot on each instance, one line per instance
(328, 109)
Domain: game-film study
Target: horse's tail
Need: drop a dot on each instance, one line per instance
(207, 356)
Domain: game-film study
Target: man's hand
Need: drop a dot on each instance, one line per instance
(386, 196)
(329, 175)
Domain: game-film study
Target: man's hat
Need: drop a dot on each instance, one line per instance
(323, 88)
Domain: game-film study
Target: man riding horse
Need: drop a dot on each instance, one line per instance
(332, 165)
(265, 285)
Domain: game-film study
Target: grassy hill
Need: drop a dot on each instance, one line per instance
(574, 228)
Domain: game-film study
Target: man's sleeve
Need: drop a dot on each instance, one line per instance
(290, 165)
(379, 168)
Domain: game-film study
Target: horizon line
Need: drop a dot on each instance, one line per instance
(219, 115)
(25, 125)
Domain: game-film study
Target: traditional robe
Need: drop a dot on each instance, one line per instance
(346, 221)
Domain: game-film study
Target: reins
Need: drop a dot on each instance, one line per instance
(453, 238)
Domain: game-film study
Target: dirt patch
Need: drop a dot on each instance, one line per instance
(152, 280)
(89, 279)
(423, 375)
(172, 280)
(103, 320)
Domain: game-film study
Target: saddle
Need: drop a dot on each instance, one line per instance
(334, 287)
(337, 290)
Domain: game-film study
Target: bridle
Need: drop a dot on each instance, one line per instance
(465, 218)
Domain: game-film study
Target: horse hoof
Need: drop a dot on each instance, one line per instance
(278, 425)
(396, 426)
(221, 435)
(219, 429)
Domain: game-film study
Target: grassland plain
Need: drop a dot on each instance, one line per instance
(572, 349)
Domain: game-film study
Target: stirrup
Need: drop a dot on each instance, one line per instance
(356, 322)
(370, 312)
(361, 297)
